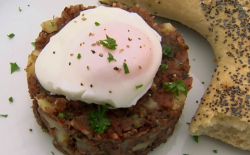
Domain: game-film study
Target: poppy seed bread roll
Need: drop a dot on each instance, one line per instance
(224, 109)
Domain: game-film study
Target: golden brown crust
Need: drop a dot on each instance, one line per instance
(224, 110)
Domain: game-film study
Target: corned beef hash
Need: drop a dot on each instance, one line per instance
(108, 80)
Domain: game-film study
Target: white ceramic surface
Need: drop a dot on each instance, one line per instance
(15, 137)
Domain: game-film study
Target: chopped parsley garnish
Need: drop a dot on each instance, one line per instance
(67, 115)
(19, 9)
(167, 51)
(164, 66)
(111, 58)
(4, 116)
(44, 130)
(52, 153)
(110, 43)
(215, 151)
(13, 67)
(97, 24)
(188, 123)
(185, 154)
(139, 86)
(109, 106)
(79, 56)
(33, 43)
(125, 66)
(62, 115)
(53, 23)
(11, 35)
(11, 99)
(98, 120)
(175, 87)
(196, 138)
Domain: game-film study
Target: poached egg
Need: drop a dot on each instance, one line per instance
(75, 64)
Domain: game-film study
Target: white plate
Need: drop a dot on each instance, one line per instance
(16, 139)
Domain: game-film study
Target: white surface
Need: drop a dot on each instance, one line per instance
(16, 139)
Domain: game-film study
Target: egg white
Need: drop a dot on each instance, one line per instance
(92, 78)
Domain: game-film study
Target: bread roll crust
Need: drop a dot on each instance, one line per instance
(224, 109)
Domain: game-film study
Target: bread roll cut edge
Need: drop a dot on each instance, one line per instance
(224, 110)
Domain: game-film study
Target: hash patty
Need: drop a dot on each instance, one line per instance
(135, 130)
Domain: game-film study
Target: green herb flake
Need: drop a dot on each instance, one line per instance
(97, 24)
(125, 66)
(79, 56)
(139, 86)
(109, 106)
(167, 51)
(10, 99)
(111, 57)
(44, 130)
(185, 154)
(109, 42)
(33, 43)
(196, 138)
(188, 123)
(67, 115)
(5, 116)
(98, 120)
(11, 35)
(164, 66)
(53, 24)
(175, 87)
(215, 151)
(62, 115)
(52, 153)
(13, 67)
(19, 9)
